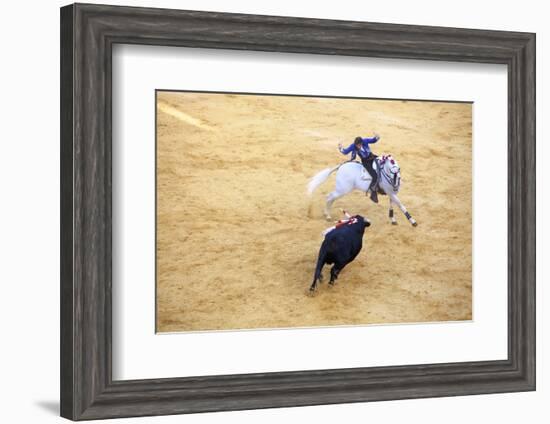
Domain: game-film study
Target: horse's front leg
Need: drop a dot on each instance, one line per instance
(394, 199)
(392, 218)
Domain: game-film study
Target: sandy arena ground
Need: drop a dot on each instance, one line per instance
(237, 236)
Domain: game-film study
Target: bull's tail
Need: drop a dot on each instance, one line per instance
(318, 268)
(319, 179)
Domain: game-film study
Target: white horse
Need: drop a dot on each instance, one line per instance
(351, 176)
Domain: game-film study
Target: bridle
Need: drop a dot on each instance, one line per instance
(394, 180)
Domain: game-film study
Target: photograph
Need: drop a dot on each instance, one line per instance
(291, 211)
(275, 212)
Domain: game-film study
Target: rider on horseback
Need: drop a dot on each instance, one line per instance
(360, 146)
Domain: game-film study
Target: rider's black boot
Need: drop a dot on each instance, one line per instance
(374, 191)
(374, 196)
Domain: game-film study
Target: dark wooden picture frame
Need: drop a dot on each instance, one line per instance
(88, 33)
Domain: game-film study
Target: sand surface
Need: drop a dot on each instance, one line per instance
(237, 236)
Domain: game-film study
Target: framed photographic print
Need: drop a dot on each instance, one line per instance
(264, 211)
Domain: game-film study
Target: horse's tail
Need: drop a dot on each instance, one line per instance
(319, 179)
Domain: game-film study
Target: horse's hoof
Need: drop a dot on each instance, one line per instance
(415, 224)
(394, 223)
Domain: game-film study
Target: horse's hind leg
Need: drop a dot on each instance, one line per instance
(331, 197)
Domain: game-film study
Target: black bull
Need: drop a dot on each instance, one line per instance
(340, 247)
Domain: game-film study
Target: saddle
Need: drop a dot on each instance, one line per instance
(365, 174)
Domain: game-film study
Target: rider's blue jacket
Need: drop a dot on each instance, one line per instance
(363, 151)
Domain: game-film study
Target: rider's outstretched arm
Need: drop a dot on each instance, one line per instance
(371, 140)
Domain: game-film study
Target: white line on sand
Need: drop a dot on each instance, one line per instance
(184, 117)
